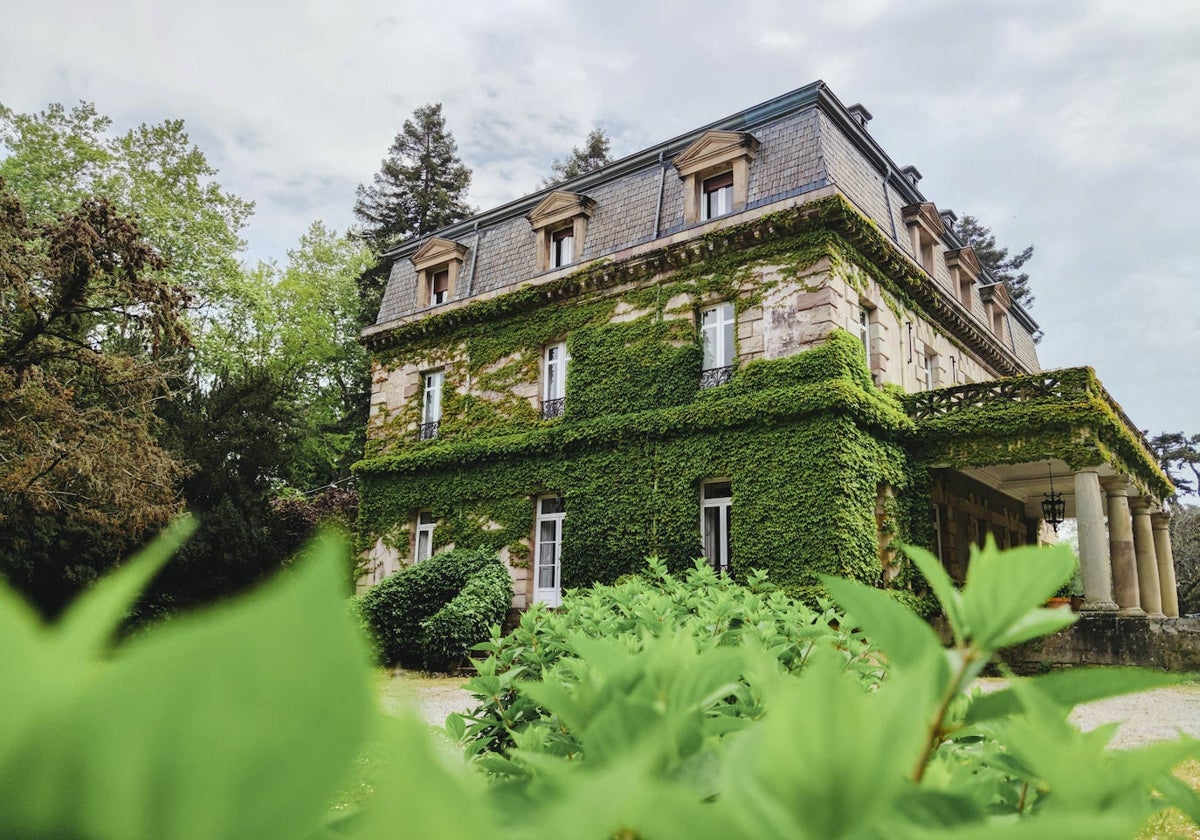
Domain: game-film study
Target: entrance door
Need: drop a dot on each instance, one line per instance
(547, 548)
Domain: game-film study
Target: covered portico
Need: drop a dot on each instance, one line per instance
(1005, 446)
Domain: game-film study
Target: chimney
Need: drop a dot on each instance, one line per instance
(949, 218)
(912, 174)
(860, 114)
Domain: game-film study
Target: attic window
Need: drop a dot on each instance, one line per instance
(437, 262)
(716, 174)
(926, 229)
(559, 225)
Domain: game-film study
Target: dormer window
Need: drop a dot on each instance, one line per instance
(716, 174)
(718, 196)
(560, 224)
(438, 263)
(926, 229)
(964, 271)
(996, 303)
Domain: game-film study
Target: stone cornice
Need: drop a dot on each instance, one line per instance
(437, 251)
(559, 206)
(713, 149)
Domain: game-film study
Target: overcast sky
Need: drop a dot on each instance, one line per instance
(1073, 126)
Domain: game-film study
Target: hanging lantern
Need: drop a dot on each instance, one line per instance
(1053, 506)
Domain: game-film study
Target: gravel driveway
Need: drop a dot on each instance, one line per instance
(1157, 715)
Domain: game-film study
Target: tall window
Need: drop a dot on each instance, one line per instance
(864, 331)
(717, 199)
(439, 287)
(930, 368)
(562, 247)
(431, 412)
(554, 384)
(717, 326)
(548, 529)
(715, 505)
(424, 542)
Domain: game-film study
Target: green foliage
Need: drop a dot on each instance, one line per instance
(1177, 452)
(593, 645)
(996, 259)
(754, 719)
(429, 614)
(593, 155)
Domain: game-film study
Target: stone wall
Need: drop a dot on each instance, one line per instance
(1172, 644)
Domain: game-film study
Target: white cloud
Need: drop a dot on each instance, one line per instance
(1072, 126)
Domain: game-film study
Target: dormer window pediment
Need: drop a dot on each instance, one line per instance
(560, 223)
(705, 166)
(437, 262)
(964, 271)
(997, 301)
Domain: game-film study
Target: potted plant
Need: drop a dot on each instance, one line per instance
(1070, 593)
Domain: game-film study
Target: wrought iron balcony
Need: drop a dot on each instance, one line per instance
(553, 408)
(713, 377)
(427, 431)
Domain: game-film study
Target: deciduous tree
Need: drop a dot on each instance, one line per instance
(85, 317)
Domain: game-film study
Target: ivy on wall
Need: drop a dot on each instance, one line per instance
(808, 442)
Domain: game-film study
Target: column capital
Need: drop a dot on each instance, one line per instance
(1161, 520)
(1117, 485)
(1141, 504)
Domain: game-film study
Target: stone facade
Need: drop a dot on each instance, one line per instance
(658, 250)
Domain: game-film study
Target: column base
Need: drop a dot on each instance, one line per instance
(1157, 615)
(1133, 612)
(1098, 606)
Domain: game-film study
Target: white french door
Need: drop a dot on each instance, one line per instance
(547, 565)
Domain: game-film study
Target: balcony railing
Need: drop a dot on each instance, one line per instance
(1066, 384)
(427, 431)
(553, 408)
(713, 377)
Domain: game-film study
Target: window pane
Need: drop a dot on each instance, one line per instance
(718, 490)
(727, 343)
(425, 518)
(424, 541)
(552, 504)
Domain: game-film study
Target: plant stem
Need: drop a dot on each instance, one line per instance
(933, 738)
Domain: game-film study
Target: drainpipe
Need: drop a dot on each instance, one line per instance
(662, 182)
(474, 260)
(887, 199)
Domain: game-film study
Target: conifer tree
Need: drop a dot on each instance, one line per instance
(996, 259)
(593, 155)
(419, 186)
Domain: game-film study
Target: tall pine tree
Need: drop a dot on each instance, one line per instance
(419, 188)
(593, 155)
(996, 259)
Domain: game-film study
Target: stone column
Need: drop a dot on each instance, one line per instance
(1161, 522)
(1094, 565)
(1147, 563)
(1120, 546)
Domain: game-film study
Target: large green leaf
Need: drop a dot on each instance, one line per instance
(239, 722)
(1069, 688)
(1004, 588)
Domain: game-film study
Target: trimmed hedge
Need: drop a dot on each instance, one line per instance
(430, 614)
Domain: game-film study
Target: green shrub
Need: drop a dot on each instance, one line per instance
(429, 614)
(711, 610)
(248, 719)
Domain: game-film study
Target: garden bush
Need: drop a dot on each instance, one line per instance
(428, 615)
(108, 740)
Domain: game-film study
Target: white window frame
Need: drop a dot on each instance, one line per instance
(551, 594)
(723, 507)
(554, 371)
(431, 405)
(714, 337)
(562, 247)
(930, 372)
(864, 330)
(423, 539)
(723, 197)
(437, 298)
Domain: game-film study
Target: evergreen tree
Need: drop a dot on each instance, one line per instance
(419, 186)
(996, 259)
(593, 155)
(1176, 453)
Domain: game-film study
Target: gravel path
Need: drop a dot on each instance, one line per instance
(1157, 715)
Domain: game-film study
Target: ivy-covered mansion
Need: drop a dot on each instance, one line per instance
(757, 342)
